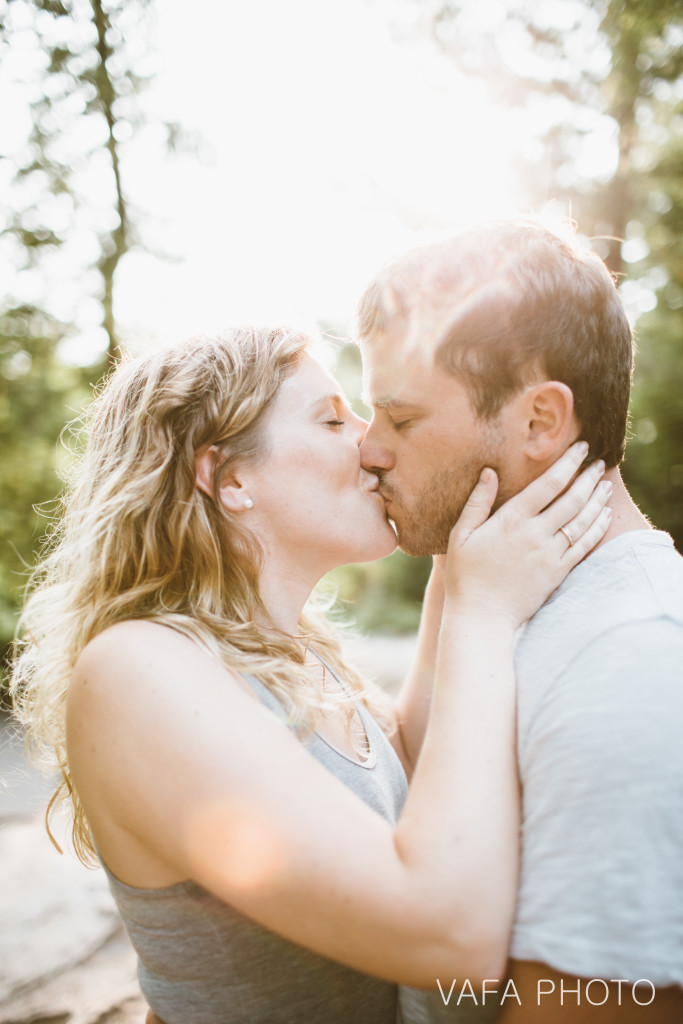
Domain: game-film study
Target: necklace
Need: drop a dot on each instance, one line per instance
(353, 724)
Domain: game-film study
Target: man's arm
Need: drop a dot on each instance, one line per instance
(549, 997)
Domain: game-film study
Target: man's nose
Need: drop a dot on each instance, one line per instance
(375, 456)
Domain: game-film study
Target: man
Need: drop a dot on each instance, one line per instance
(500, 348)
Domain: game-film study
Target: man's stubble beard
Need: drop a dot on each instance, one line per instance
(425, 528)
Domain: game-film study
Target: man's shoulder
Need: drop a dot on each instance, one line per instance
(635, 578)
(599, 725)
(606, 611)
(640, 570)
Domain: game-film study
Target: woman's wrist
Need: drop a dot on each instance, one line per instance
(471, 613)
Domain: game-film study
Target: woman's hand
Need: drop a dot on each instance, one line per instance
(506, 565)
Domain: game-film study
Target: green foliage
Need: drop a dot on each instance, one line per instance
(38, 394)
(653, 470)
(654, 463)
(385, 596)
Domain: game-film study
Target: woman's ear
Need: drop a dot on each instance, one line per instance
(551, 425)
(231, 492)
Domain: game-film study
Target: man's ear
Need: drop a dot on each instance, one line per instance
(550, 423)
(231, 492)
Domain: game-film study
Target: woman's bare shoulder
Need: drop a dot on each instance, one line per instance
(129, 639)
(139, 648)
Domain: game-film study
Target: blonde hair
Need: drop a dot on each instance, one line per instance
(139, 540)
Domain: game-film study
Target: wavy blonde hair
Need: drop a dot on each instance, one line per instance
(139, 540)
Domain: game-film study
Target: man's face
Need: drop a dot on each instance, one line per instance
(426, 443)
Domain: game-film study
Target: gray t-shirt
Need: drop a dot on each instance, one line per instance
(600, 742)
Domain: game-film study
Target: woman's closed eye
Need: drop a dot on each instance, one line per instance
(335, 423)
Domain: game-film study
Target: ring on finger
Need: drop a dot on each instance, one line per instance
(568, 537)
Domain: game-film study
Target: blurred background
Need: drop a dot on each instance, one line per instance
(169, 168)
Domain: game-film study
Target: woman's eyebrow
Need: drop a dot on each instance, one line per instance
(334, 396)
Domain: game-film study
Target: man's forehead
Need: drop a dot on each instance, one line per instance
(396, 374)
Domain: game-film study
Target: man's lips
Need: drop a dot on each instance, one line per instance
(387, 506)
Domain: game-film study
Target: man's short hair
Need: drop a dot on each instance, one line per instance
(508, 303)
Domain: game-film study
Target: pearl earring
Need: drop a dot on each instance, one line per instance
(248, 503)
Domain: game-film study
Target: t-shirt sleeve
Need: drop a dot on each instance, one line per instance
(601, 891)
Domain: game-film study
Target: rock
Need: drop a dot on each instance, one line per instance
(56, 913)
(23, 790)
(101, 990)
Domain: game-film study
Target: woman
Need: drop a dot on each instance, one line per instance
(212, 742)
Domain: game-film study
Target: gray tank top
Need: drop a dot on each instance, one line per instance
(202, 962)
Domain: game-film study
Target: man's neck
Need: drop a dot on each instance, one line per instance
(626, 516)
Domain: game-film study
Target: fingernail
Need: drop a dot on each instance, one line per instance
(485, 476)
(605, 487)
(582, 448)
(606, 512)
(599, 467)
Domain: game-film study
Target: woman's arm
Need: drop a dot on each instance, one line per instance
(165, 744)
(414, 698)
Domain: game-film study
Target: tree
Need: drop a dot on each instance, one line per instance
(654, 464)
(80, 68)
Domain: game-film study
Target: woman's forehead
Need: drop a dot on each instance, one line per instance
(311, 382)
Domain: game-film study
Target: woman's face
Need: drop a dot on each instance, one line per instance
(313, 502)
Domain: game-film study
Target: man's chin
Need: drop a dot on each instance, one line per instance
(418, 543)
(419, 551)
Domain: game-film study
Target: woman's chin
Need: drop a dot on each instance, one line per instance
(377, 540)
(371, 551)
(385, 546)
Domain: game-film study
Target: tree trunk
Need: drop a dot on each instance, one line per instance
(116, 245)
